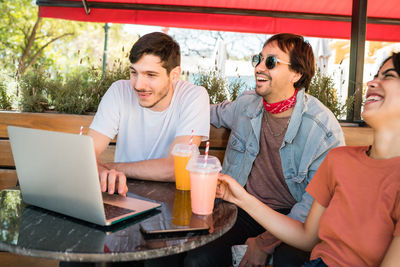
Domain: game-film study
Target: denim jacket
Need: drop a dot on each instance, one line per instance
(313, 130)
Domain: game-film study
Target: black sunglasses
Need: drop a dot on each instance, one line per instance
(270, 61)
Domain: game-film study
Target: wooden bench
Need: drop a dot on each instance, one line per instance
(72, 123)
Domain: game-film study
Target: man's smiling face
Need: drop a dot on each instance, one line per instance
(274, 84)
(151, 82)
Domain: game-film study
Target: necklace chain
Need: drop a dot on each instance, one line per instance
(270, 129)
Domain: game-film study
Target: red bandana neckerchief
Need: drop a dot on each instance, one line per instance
(281, 106)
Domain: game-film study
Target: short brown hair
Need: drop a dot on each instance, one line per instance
(301, 56)
(157, 44)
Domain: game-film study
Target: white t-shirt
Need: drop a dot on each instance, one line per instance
(145, 134)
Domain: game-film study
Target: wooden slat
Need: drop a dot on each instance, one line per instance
(67, 123)
(358, 136)
(6, 158)
(70, 123)
(8, 179)
(218, 138)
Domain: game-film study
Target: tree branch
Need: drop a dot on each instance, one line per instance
(31, 39)
(35, 56)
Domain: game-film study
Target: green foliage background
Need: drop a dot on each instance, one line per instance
(79, 92)
(218, 87)
(5, 98)
(17, 20)
(34, 87)
(322, 87)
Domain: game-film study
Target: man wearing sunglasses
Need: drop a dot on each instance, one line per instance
(279, 137)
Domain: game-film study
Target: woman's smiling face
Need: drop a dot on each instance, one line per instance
(383, 96)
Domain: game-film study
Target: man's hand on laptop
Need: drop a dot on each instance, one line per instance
(113, 180)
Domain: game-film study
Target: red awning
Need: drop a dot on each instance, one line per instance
(322, 18)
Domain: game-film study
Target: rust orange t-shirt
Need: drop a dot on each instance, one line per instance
(362, 200)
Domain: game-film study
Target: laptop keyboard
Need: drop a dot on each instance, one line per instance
(112, 211)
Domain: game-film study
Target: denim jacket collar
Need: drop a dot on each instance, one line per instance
(295, 119)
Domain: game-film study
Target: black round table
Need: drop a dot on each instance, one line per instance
(32, 231)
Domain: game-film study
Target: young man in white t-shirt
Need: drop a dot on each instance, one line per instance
(150, 113)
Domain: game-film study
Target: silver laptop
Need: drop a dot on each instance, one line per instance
(58, 171)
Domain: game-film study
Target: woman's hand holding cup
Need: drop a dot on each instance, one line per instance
(230, 190)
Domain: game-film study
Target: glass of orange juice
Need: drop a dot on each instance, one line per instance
(182, 153)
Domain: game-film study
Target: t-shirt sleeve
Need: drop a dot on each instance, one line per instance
(195, 113)
(321, 187)
(106, 120)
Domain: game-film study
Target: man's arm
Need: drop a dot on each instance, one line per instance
(100, 142)
(110, 179)
(222, 115)
(161, 169)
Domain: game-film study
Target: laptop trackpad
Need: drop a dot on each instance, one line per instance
(112, 211)
(133, 204)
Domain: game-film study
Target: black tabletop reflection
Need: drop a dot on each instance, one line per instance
(32, 231)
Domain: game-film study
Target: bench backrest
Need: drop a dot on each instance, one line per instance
(72, 123)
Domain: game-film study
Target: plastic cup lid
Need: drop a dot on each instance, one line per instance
(196, 164)
(185, 149)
